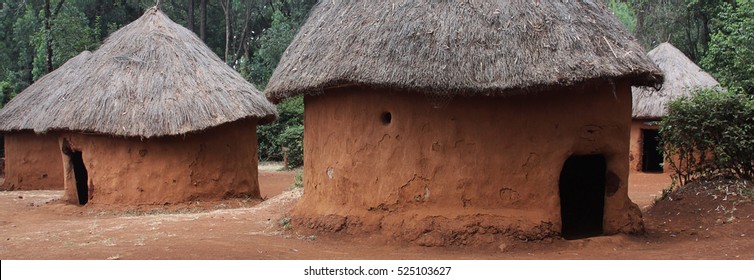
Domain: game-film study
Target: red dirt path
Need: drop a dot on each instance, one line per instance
(35, 225)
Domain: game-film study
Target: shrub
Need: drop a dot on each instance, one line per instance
(292, 139)
(273, 137)
(708, 135)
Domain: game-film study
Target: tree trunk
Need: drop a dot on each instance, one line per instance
(48, 35)
(243, 44)
(203, 19)
(226, 4)
(190, 15)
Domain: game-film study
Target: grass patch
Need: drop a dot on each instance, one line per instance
(285, 223)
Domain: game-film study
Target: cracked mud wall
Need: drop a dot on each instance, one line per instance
(32, 162)
(441, 171)
(214, 164)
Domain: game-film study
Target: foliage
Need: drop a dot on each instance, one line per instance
(70, 33)
(286, 131)
(624, 12)
(24, 27)
(684, 23)
(273, 43)
(709, 135)
(7, 92)
(731, 48)
(292, 139)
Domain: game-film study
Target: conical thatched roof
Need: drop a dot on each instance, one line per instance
(682, 76)
(459, 47)
(23, 111)
(151, 78)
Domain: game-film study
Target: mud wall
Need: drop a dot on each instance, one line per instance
(636, 145)
(32, 162)
(217, 163)
(439, 171)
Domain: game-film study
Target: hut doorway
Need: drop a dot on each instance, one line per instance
(582, 196)
(80, 175)
(651, 159)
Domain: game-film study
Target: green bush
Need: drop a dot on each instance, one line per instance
(7, 92)
(292, 139)
(708, 135)
(287, 131)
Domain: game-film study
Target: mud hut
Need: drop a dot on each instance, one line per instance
(154, 117)
(32, 161)
(449, 122)
(682, 77)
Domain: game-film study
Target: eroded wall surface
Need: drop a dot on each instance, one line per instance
(458, 170)
(214, 164)
(32, 162)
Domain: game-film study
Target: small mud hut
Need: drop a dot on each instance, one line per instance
(682, 77)
(32, 161)
(154, 117)
(453, 121)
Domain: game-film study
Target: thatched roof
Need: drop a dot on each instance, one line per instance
(682, 76)
(151, 78)
(25, 109)
(459, 47)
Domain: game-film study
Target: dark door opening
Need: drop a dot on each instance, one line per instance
(582, 196)
(81, 176)
(651, 159)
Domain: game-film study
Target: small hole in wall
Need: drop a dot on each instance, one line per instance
(386, 118)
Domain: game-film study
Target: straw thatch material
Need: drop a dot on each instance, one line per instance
(459, 47)
(151, 78)
(19, 113)
(682, 77)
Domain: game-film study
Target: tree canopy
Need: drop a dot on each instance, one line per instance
(37, 36)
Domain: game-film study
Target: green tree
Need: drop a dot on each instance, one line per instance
(710, 134)
(730, 57)
(287, 131)
(70, 33)
(273, 43)
(624, 12)
(24, 28)
(684, 23)
(7, 92)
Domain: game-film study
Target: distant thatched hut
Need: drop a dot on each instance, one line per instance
(682, 76)
(32, 161)
(444, 120)
(154, 117)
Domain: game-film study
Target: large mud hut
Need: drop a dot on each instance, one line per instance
(32, 161)
(682, 77)
(457, 122)
(154, 117)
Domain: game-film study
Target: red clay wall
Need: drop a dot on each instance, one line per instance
(32, 162)
(635, 154)
(470, 167)
(214, 164)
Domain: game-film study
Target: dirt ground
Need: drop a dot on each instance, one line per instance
(693, 224)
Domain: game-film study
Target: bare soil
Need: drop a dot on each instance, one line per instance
(694, 223)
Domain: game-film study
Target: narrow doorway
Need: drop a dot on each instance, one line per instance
(651, 159)
(81, 176)
(582, 196)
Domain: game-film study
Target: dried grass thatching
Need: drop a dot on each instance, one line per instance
(459, 47)
(22, 111)
(682, 77)
(151, 78)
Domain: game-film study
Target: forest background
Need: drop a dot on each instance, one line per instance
(37, 36)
